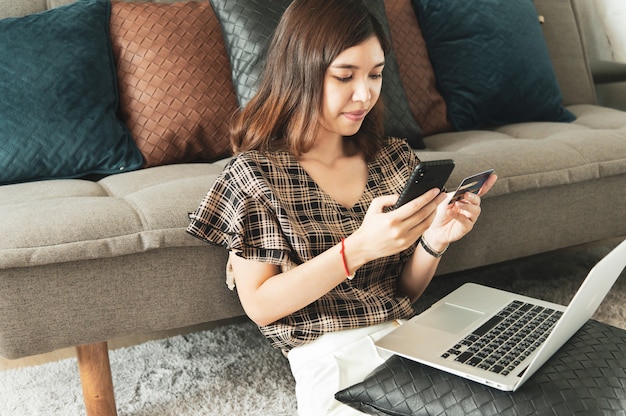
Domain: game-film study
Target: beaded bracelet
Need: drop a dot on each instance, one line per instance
(436, 254)
(345, 263)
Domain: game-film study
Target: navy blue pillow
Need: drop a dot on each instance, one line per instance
(491, 62)
(59, 96)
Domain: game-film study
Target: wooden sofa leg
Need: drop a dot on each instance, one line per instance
(95, 376)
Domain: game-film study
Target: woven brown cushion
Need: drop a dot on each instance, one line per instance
(176, 93)
(416, 71)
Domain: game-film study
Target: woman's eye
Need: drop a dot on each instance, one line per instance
(349, 78)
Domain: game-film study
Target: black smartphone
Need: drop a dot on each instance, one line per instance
(471, 184)
(426, 176)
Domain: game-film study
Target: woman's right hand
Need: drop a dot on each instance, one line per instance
(384, 233)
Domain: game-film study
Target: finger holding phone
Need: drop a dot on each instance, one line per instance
(455, 217)
(389, 232)
(408, 216)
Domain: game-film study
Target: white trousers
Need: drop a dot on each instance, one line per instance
(333, 362)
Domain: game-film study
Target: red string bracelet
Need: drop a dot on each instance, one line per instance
(345, 263)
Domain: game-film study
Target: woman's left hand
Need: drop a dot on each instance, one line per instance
(453, 221)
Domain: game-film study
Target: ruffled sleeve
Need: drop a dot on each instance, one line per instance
(240, 213)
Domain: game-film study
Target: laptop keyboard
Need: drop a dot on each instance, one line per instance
(507, 339)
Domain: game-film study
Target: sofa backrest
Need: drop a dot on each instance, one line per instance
(561, 30)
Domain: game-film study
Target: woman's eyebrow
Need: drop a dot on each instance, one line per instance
(350, 66)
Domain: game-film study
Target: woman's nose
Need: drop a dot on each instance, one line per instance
(362, 91)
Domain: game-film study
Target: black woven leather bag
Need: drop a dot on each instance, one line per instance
(587, 376)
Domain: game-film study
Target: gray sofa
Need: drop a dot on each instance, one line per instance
(83, 261)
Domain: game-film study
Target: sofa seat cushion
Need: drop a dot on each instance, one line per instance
(533, 155)
(71, 219)
(147, 209)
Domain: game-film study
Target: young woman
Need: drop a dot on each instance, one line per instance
(319, 263)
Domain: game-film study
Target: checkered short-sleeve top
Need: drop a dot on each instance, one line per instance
(265, 207)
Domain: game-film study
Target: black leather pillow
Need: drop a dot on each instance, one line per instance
(586, 376)
(248, 25)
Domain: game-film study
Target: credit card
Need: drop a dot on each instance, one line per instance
(471, 184)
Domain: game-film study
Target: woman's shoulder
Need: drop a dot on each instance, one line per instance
(256, 172)
(258, 161)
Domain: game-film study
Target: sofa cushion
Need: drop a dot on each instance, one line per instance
(20, 8)
(492, 62)
(139, 211)
(59, 96)
(176, 94)
(416, 71)
(538, 155)
(247, 33)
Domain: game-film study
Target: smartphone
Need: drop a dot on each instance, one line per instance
(426, 176)
(471, 184)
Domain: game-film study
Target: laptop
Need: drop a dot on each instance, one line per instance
(499, 338)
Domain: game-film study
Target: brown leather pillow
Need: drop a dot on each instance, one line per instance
(416, 71)
(176, 93)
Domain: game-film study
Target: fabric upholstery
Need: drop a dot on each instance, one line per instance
(59, 96)
(528, 156)
(491, 60)
(137, 209)
(562, 32)
(21, 8)
(70, 303)
(416, 71)
(248, 32)
(176, 94)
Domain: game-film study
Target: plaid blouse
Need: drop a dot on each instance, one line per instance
(265, 207)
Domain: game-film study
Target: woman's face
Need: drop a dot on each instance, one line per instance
(351, 88)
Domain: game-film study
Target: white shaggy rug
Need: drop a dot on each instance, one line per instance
(231, 370)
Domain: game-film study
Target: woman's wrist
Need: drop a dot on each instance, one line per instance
(433, 246)
(351, 256)
(346, 268)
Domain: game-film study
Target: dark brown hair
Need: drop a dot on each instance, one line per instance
(285, 112)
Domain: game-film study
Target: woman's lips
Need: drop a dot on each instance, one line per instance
(356, 115)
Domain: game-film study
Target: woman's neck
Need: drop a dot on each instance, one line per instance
(330, 151)
(337, 168)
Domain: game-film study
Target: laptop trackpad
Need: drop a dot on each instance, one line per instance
(449, 318)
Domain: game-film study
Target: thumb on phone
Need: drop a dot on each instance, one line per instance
(383, 203)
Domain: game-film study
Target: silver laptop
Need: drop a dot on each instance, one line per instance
(499, 338)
